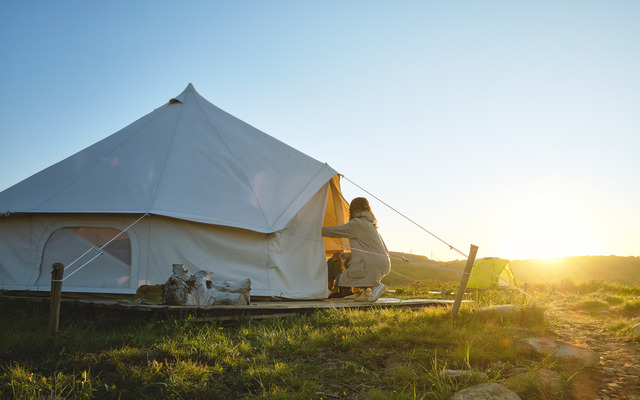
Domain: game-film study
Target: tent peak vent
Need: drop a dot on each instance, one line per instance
(180, 97)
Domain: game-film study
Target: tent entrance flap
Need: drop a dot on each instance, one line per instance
(336, 213)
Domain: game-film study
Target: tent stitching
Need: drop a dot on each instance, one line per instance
(166, 158)
(244, 172)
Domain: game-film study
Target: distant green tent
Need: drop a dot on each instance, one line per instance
(482, 278)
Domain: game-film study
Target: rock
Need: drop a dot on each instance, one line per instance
(630, 380)
(543, 346)
(462, 373)
(635, 331)
(150, 293)
(485, 391)
(631, 370)
(501, 309)
(516, 371)
(560, 350)
(548, 382)
(581, 356)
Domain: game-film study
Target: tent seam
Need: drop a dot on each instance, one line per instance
(304, 191)
(244, 172)
(166, 159)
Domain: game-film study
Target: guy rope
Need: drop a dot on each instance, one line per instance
(98, 251)
(451, 247)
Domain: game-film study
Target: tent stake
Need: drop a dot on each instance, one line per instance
(57, 270)
(464, 280)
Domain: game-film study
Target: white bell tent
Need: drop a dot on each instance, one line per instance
(186, 184)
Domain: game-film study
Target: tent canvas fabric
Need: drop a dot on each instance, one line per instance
(216, 194)
(485, 273)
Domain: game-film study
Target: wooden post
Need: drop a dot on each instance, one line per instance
(443, 293)
(464, 280)
(57, 270)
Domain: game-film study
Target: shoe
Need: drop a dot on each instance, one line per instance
(365, 295)
(377, 291)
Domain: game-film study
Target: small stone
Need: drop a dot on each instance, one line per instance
(612, 385)
(631, 370)
(462, 373)
(501, 309)
(560, 350)
(485, 391)
(549, 382)
(519, 370)
(542, 346)
(585, 357)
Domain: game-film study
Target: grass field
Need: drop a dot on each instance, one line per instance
(624, 270)
(333, 354)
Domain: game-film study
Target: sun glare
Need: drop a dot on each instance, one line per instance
(550, 232)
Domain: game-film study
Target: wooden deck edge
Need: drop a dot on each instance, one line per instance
(265, 309)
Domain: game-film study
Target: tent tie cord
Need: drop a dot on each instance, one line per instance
(99, 250)
(451, 247)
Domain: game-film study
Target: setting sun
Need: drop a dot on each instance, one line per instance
(547, 229)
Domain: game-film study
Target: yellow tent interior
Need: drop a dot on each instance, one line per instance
(336, 213)
(486, 271)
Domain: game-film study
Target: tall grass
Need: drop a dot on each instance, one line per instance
(338, 353)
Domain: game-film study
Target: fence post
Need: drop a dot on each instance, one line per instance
(464, 280)
(57, 270)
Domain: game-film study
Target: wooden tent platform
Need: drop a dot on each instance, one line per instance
(255, 310)
(262, 309)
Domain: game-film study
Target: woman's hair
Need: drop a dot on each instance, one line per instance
(360, 204)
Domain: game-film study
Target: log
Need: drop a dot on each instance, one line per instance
(201, 290)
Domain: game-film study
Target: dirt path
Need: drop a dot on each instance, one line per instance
(617, 376)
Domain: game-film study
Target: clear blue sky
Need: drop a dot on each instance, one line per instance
(510, 125)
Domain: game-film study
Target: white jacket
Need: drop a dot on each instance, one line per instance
(370, 257)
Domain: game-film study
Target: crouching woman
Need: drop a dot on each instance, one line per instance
(370, 260)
